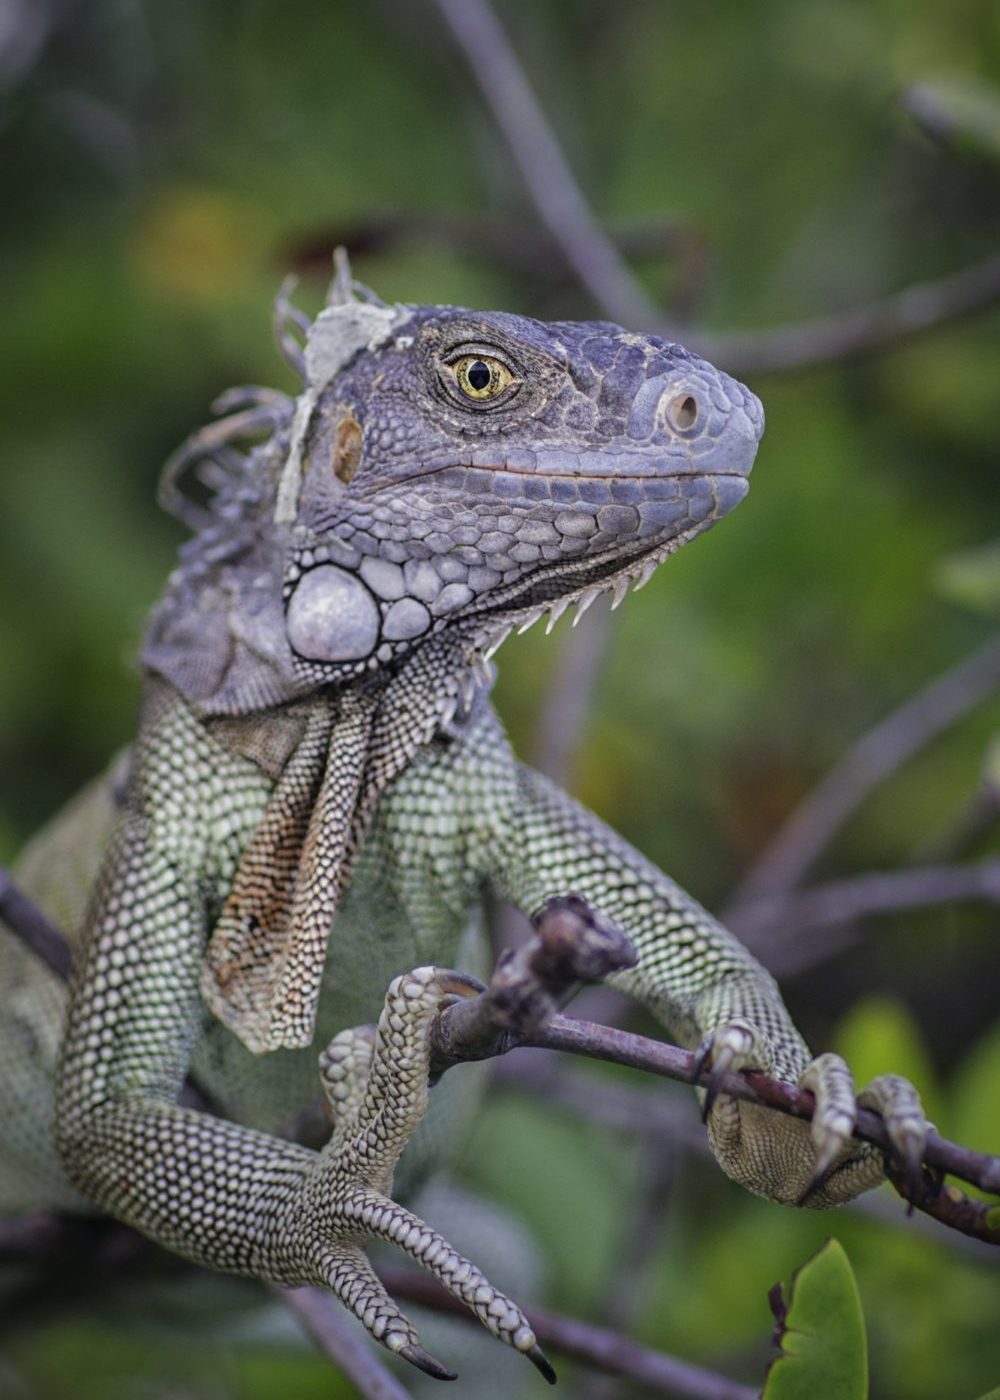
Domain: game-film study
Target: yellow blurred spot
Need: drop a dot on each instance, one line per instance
(193, 244)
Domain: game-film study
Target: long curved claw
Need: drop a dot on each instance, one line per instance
(541, 1363)
(423, 1361)
(352, 1278)
(383, 1219)
(730, 1047)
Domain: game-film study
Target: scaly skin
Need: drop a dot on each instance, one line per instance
(320, 792)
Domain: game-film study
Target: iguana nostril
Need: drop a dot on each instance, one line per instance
(682, 412)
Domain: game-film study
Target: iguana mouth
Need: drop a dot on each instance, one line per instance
(631, 474)
(613, 573)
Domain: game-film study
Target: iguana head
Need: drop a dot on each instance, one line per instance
(444, 474)
(472, 470)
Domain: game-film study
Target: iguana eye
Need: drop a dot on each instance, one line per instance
(481, 377)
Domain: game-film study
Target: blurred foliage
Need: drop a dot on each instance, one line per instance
(166, 165)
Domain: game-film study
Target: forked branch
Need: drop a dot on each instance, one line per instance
(572, 945)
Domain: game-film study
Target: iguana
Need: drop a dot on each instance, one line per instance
(320, 794)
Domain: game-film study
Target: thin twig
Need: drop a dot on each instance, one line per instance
(878, 325)
(800, 842)
(34, 928)
(624, 1048)
(770, 920)
(57, 1243)
(546, 172)
(670, 1122)
(338, 1339)
(501, 238)
(598, 1346)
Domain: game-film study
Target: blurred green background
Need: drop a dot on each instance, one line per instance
(166, 165)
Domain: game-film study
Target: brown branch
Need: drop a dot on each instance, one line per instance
(771, 920)
(469, 1029)
(519, 243)
(878, 325)
(68, 1246)
(571, 946)
(597, 1346)
(337, 1337)
(667, 1122)
(624, 1048)
(33, 928)
(863, 330)
(530, 139)
(875, 756)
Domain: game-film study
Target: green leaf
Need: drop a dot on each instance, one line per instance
(963, 111)
(972, 578)
(821, 1333)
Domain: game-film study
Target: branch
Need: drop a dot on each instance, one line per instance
(597, 1346)
(338, 1339)
(33, 928)
(845, 335)
(666, 1122)
(575, 944)
(625, 1048)
(530, 139)
(772, 919)
(55, 1242)
(876, 755)
(597, 262)
(571, 946)
(520, 243)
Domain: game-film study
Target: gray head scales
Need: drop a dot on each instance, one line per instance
(476, 469)
(445, 472)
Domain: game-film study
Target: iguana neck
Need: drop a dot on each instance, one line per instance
(267, 954)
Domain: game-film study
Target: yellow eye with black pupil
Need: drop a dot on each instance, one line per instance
(481, 377)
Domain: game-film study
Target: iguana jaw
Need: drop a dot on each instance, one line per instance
(605, 452)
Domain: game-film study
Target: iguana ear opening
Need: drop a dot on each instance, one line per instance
(347, 445)
(338, 333)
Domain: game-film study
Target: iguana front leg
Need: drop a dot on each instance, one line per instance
(710, 993)
(217, 1192)
(377, 1087)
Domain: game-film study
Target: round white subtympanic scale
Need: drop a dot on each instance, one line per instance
(332, 616)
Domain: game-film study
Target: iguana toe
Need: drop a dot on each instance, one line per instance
(734, 1046)
(899, 1104)
(377, 1086)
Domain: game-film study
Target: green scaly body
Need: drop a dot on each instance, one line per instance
(320, 794)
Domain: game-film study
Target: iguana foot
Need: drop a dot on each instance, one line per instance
(376, 1083)
(786, 1159)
